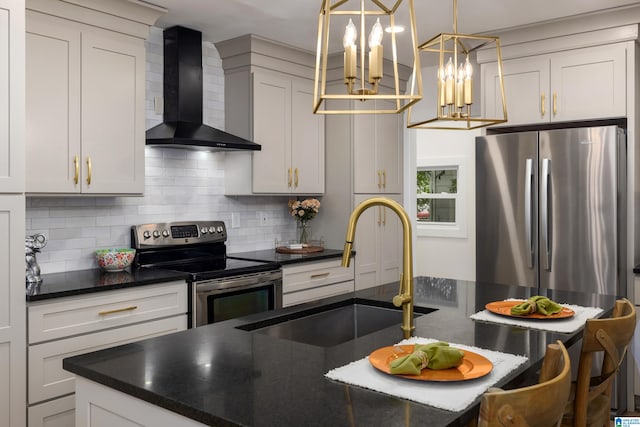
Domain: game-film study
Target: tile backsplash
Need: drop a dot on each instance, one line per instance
(180, 185)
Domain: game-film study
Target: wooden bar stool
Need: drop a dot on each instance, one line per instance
(539, 405)
(590, 400)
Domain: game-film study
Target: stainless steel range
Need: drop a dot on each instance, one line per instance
(221, 288)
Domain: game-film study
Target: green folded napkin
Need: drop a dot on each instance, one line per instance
(536, 304)
(437, 355)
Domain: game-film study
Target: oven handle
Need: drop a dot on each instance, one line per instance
(245, 281)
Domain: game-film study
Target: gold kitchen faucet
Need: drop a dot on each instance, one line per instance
(405, 295)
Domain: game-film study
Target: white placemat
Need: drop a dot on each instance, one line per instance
(565, 326)
(452, 396)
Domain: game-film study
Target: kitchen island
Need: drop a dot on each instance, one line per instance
(222, 375)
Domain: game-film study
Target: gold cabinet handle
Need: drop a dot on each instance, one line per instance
(117, 310)
(320, 276)
(295, 180)
(555, 103)
(379, 179)
(76, 165)
(379, 215)
(543, 110)
(384, 179)
(384, 216)
(289, 172)
(89, 170)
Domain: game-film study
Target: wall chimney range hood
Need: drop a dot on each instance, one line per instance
(182, 126)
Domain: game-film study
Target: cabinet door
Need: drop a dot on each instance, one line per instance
(366, 175)
(526, 87)
(378, 245)
(307, 141)
(389, 150)
(52, 105)
(55, 413)
(12, 308)
(589, 83)
(272, 171)
(113, 93)
(11, 96)
(390, 263)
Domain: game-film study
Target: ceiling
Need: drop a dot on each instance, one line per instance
(294, 22)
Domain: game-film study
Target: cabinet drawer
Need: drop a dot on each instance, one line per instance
(55, 413)
(311, 275)
(47, 379)
(83, 314)
(293, 298)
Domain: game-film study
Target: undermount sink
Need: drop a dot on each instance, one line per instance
(333, 324)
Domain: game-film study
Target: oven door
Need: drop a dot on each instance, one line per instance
(230, 297)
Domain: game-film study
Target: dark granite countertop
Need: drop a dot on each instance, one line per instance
(270, 255)
(56, 285)
(220, 375)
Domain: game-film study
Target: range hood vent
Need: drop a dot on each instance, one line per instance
(182, 126)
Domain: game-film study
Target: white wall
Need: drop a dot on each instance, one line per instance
(180, 185)
(450, 257)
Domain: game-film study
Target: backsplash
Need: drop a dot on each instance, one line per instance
(180, 185)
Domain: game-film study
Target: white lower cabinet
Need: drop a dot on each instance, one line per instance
(100, 406)
(56, 413)
(70, 326)
(311, 281)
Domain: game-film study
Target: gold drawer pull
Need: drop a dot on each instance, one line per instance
(384, 179)
(320, 276)
(117, 310)
(542, 106)
(379, 179)
(555, 103)
(295, 180)
(289, 182)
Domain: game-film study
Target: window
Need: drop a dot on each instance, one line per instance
(437, 194)
(440, 196)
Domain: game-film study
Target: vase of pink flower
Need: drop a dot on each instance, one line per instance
(304, 211)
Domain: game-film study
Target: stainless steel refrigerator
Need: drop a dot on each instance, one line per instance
(551, 214)
(551, 209)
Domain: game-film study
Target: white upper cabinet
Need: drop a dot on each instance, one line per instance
(274, 109)
(579, 84)
(11, 96)
(377, 153)
(84, 108)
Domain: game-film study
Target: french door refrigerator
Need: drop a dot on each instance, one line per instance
(551, 209)
(551, 214)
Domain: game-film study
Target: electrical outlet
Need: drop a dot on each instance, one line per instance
(263, 218)
(158, 104)
(235, 220)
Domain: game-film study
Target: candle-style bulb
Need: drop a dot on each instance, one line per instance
(449, 69)
(350, 35)
(468, 69)
(375, 36)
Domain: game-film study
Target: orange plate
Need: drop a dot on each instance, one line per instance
(504, 308)
(473, 365)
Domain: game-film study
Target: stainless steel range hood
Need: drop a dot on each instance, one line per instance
(182, 126)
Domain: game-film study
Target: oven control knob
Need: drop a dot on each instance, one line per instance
(212, 229)
(203, 230)
(156, 233)
(165, 233)
(220, 229)
(146, 234)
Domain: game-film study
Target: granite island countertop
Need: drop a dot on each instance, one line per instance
(220, 375)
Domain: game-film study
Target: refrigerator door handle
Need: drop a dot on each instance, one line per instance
(544, 213)
(528, 222)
